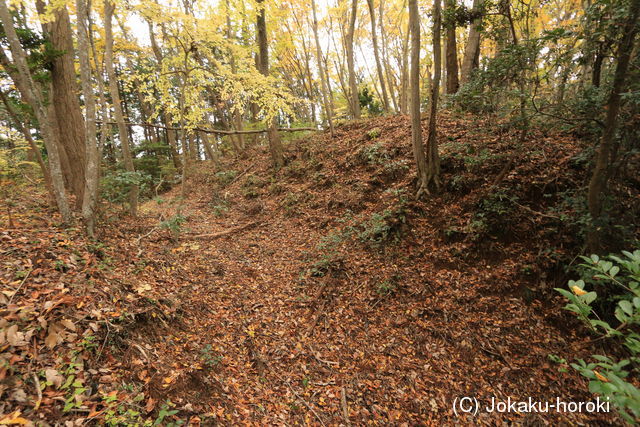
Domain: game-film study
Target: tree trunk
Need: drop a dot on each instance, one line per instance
(451, 49)
(117, 105)
(354, 100)
(237, 117)
(323, 75)
(166, 117)
(31, 94)
(433, 159)
(416, 126)
(404, 81)
(92, 171)
(69, 124)
(275, 144)
(374, 37)
(604, 155)
(471, 57)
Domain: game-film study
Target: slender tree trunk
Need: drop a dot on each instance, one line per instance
(275, 144)
(374, 37)
(433, 159)
(354, 99)
(31, 94)
(416, 126)
(237, 117)
(605, 153)
(451, 49)
(92, 171)
(385, 59)
(69, 124)
(323, 75)
(117, 105)
(471, 56)
(404, 81)
(166, 116)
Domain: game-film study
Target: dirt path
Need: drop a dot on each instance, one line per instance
(257, 340)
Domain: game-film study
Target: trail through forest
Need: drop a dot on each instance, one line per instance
(322, 294)
(259, 335)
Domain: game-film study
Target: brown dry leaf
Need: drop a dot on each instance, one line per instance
(52, 338)
(68, 324)
(151, 403)
(54, 377)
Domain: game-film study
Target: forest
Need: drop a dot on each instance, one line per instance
(335, 212)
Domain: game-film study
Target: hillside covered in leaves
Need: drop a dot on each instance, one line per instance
(323, 293)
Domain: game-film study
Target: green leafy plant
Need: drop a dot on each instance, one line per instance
(619, 275)
(207, 356)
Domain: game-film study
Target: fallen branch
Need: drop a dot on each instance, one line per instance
(221, 233)
(345, 408)
(214, 131)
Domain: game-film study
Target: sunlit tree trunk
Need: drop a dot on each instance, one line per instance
(416, 125)
(354, 100)
(433, 159)
(92, 170)
(31, 94)
(374, 37)
(323, 75)
(471, 57)
(275, 144)
(117, 106)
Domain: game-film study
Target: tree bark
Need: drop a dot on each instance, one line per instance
(416, 126)
(433, 159)
(92, 171)
(604, 155)
(117, 105)
(323, 75)
(471, 56)
(69, 124)
(275, 144)
(166, 117)
(31, 94)
(451, 49)
(376, 54)
(354, 100)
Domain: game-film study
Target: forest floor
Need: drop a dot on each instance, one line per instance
(322, 294)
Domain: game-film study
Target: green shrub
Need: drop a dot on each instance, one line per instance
(373, 154)
(225, 178)
(384, 227)
(619, 276)
(115, 185)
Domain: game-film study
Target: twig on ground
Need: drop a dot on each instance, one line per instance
(345, 408)
(24, 279)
